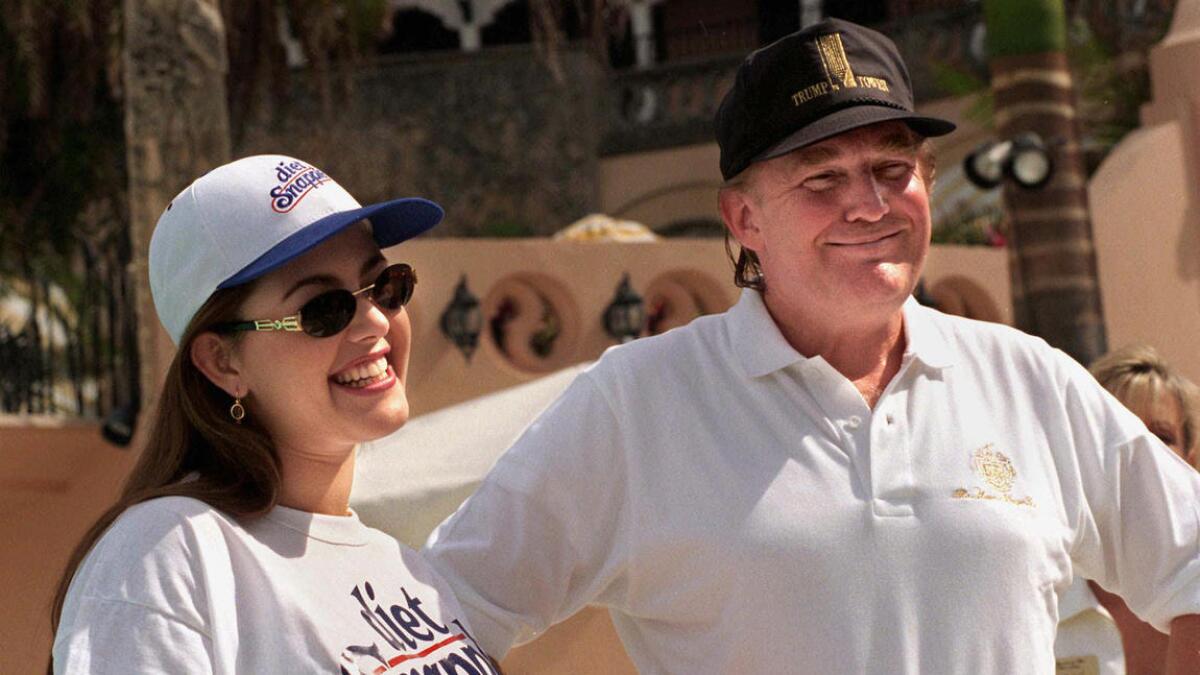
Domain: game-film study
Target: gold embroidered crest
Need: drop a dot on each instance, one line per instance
(997, 470)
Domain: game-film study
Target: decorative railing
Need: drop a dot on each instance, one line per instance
(665, 106)
(673, 104)
(68, 333)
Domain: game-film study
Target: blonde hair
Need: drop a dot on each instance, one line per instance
(1137, 375)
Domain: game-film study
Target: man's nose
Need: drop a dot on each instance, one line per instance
(866, 198)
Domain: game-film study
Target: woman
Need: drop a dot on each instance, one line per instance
(232, 548)
(1163, 399)
(1166, 402)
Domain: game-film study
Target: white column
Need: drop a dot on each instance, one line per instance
(642, 20)
(810, 12)
(468, 38)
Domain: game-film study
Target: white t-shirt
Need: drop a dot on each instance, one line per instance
(740, 509)
(175, 586)
(1088, 641)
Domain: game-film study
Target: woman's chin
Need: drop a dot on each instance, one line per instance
(385, 420)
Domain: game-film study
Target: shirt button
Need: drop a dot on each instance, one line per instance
(854, 421)
(890, 419)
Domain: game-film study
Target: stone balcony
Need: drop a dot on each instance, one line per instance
(673, 104)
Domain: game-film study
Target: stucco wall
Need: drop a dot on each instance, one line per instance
(500, 142)
(55, 479)
(1145, 205)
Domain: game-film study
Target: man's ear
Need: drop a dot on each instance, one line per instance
(213, 356)
(740, 214)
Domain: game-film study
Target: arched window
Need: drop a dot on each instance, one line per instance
(865, 13)
(415, 30)
(509, 27)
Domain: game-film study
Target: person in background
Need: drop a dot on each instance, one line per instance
(232, 548)
(1095, 625)
(828, 477)
(1166, 401)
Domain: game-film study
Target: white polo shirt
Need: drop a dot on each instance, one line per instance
(741, 509)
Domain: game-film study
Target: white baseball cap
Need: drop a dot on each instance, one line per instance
(246, 218)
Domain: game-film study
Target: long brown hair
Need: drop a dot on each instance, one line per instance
(194, 449)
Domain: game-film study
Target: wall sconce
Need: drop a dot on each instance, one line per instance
(462, 320)
(625, 315)
(1025, 159)
(120, 424)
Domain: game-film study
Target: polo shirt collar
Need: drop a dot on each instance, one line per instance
(756, 342)
(760, 348)
(925, 341)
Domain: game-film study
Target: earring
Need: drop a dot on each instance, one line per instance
(237, 411)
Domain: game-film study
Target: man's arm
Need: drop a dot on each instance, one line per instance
(542, 536)
(1183, 656)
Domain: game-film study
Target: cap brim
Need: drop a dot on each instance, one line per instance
(392, 222)
(850, 118)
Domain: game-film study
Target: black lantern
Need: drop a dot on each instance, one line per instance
(625, 315)
(463, 321)
(119, 426)
(1025, 159)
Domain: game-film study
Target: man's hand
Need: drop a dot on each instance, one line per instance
(1183, 655)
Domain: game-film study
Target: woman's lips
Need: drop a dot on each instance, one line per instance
(369, 386)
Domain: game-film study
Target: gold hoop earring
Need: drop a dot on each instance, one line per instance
(237, 411)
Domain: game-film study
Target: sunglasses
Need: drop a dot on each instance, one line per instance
(330, 312)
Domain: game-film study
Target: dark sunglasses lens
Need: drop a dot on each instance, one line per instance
(394, 287)
(328, 313)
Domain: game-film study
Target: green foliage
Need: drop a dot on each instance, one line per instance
(1017, 27)
(506, 229)
(332, 35)
(61, 133)
(1111, 87)
(973, 226)
(956, 82)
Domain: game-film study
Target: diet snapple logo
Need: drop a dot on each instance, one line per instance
(414, 641)
(296, 179)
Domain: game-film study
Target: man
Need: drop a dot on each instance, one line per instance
(828, 478)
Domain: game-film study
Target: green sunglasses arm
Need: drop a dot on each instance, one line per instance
(287, 323)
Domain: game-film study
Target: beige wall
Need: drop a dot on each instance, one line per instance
(1145, 205)
(662, 187)
(57, 477)
(580, 278)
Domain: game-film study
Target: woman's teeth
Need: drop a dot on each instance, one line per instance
(363, 375)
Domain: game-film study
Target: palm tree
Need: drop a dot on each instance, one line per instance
(176, 127)
(1055, 287)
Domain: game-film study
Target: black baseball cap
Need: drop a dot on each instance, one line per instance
(818, 82)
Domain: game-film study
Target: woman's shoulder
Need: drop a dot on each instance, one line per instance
(157, 545)
(163, 519)
(155, 559)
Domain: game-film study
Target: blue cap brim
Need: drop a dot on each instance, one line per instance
(391, 222)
